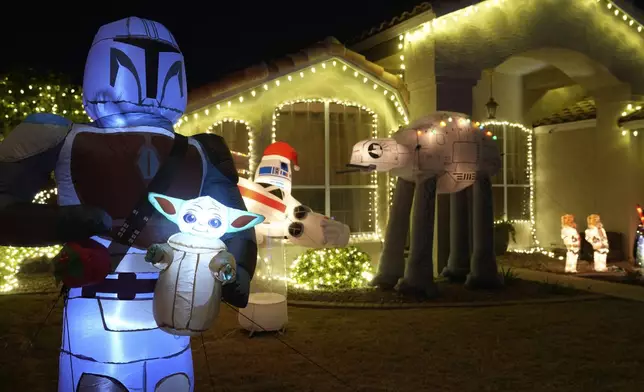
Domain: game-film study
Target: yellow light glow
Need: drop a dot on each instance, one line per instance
(394, 97)
(46, 99)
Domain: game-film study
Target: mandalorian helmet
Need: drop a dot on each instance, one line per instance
(134, 66)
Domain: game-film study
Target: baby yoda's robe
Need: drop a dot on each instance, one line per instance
(187, 296)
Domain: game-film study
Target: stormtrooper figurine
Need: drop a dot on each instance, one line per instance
(570, 237)
(596, 236)
(134, 90)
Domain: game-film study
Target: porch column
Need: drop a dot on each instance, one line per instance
(615, 163)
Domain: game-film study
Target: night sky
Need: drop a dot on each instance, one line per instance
(215, 39)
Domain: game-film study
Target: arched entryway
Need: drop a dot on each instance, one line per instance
(576, 160)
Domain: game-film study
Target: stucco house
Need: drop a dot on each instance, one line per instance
(320, 100)
(566, 75)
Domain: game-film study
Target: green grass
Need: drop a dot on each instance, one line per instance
(577, 346)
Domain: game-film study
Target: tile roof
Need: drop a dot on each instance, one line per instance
(635, 115)
(419, 9)
(582, 110)
(318, 52)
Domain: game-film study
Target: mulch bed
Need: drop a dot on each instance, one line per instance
(516, 289)
(619, 272)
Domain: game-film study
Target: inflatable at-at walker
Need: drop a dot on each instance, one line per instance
(134, 90)
(441, 153)
(287, 220)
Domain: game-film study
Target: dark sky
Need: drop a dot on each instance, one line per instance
(216, 36)
(215, 39)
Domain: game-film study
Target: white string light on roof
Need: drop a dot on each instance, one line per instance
(310, 71)
(438, 24)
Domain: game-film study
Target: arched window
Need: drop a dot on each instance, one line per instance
(323, 133)
(235, 133)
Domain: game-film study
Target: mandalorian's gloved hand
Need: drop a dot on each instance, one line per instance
(27, 224)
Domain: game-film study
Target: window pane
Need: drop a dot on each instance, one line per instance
(516, 155)
(497, 193)
(313, 198)
(302, 126)
(351, 206)
(497, 130)
(347, 126)
(235, 134)
(518, 203)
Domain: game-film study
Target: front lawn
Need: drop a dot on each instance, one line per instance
(577, 346)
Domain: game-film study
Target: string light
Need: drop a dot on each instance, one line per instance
(17, 101)
(331, 268)
(334, 63)
(627, 111)
(439, 24)
(530, 172)
(251, 142)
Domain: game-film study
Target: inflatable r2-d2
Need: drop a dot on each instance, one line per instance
(287, 221)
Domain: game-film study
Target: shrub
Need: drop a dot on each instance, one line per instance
(331, 269)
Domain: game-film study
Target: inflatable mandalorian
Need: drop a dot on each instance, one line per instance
(134, 90)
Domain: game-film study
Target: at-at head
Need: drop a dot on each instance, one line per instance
(135, 66)
(381, 155)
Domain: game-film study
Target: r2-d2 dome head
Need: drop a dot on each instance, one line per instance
(276, 166)
(135, 66)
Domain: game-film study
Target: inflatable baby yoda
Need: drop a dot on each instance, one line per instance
(596, 236)
(570, 237)
(194, 263)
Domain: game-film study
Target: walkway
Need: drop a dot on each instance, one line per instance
(618, 290)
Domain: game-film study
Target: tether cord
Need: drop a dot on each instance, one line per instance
(338, 379)
(42, 324)
(69, 343)
(205, 354)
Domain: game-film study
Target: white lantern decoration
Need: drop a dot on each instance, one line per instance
(267, 309)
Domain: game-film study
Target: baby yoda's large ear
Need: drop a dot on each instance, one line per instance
(168, 206)
(242, 220)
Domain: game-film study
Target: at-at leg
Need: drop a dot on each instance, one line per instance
(392, 261)
(458, 264)
(419, 274)
(483, 267)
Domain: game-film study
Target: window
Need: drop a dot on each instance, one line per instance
(235, 133)
(323, 134)
(512, 184)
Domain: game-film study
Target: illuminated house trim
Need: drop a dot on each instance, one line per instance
(326, 73)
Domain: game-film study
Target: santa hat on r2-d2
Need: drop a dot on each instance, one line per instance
(277, 165)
